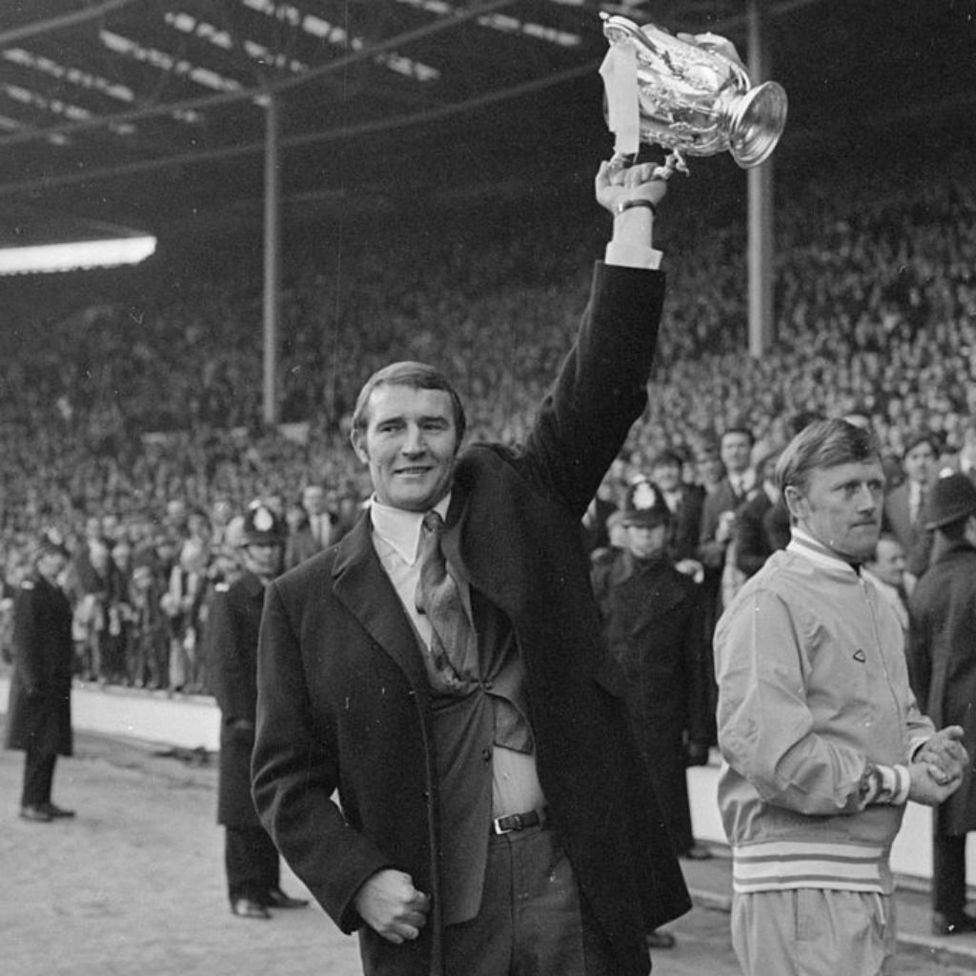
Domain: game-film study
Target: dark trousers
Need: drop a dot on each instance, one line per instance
(251, 861)
(949, 873)
(532, 920)
(38, 777)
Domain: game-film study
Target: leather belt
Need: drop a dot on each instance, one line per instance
(517, 821)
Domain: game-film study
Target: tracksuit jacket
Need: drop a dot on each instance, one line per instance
(813, 694)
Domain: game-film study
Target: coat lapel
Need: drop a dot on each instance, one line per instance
(362, 586)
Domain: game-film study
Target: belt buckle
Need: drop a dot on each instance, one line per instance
(515, 819)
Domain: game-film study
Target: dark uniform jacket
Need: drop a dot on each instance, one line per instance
(942, 663)
(39, 712)
(651, 616)
(344, 700)
(234, 624)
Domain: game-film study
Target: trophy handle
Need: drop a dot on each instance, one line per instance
(673, 163)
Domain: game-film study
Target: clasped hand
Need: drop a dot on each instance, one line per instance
(938, 766)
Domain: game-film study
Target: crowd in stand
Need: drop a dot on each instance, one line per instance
(130, 406)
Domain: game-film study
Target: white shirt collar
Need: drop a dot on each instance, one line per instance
(400, 528)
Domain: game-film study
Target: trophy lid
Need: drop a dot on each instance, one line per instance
(758, 122)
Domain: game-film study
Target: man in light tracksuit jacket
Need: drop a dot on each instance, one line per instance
(822, 739)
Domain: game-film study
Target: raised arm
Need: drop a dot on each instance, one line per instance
(601, 388)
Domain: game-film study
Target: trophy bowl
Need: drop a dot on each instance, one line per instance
(688, 98)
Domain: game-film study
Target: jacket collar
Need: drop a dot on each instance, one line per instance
(805, 545)
(360, 583)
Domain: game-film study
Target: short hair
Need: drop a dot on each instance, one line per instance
(418, 376)
(921, 437)
(738, 429)
(823, 444)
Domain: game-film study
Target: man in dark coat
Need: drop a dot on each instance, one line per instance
(465, 753)
(763, 522)
(250, 857)
(651, 623)
(39, 711)
(905, 503)
(942, 667)
(314, 531)
(685, 503)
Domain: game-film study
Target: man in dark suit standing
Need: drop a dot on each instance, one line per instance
(39, 712)
(763, 522)
(450, 680)
(684, 503)
(942, 668)
(716, 540)
(314, 531)
(250, 857)
(904, 505)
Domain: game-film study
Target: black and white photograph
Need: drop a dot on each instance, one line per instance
(487, 487)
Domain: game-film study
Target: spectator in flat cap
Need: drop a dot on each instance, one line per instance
(39, 710)
(942, 666)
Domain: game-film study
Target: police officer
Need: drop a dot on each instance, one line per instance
(651, 617)
(250, 857)
(40, 688)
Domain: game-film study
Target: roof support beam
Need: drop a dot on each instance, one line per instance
(284, 84)
(17, 34)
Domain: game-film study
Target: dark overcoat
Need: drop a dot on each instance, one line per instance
(234, 623)
(39, 711)
(942, 663)
(915, 540)
(344, 702)
(651, 615)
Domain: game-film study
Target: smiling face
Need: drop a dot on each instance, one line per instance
(410, 442)
(841, 507)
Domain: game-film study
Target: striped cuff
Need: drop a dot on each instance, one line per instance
(888, 785)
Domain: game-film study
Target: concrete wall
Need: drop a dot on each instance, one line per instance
(194, 721)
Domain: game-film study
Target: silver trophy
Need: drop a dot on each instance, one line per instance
(689, 98)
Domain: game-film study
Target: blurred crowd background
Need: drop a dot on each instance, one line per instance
(130, 401)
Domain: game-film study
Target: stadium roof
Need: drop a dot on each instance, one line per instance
(144, 112)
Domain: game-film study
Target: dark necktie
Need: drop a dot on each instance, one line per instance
(453, 657)
(452, 662)
(920, 508)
